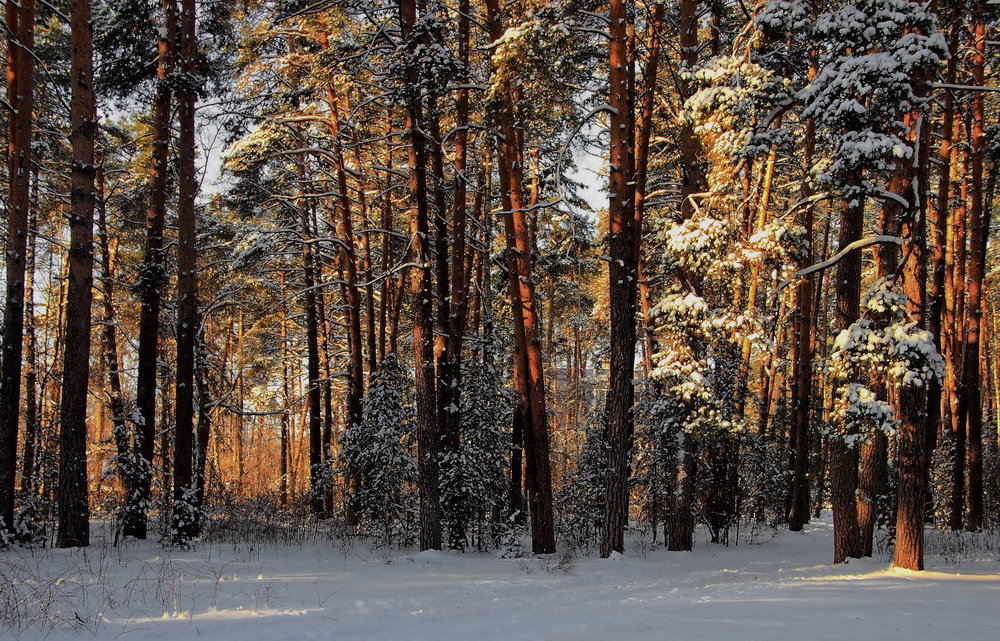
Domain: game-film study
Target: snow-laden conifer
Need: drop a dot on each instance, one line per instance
(473, 479)
(376, 457)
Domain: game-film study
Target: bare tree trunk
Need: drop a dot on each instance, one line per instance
(368, 268)
(287, 401)
(622, 280)
(681, 530)
(183, 522)
(203, 429)
(952, 331)
(124, 441)
(453, 322)
(644, 128)
(152, 277)
(20, 92)
(803, 350)
(32, 415)
(844, 457)
(978, 229)
(74, 508)
(349, 259)
(314, 392)
(528, 349)
(912, 452)
(421, 288)
(938, 213)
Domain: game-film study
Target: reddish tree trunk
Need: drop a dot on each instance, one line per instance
(452, 317)
(183, 523)
(421, 288)
(978, 229)
(912, 452)
(151, 279)
(844, 457)
(681, 530)
(803, 349)
(529, 369)
(622, 281)
(74, 509)
(20, 92)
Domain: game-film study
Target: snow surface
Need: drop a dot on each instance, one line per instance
(781, 589)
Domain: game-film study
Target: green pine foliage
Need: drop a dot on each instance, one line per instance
(472, 487)
(376, 457)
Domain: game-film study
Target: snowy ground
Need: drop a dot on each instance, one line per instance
(782, 589)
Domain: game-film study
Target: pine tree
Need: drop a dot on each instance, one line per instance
(473, 478)
(376, 457)
(20, 96)
(74, 508)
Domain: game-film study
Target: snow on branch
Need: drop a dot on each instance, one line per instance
(836, 258)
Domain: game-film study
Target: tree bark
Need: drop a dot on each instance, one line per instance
(844, 457)
(349, 261)
(912, 452)
(124, 440)
(622, 280)
(183, 522)
(954, 405)
(529, 367)
(20, 93)
(32, 414)
(74, 510)
(803, 350)
(421, 288)
(978, 230)
(681, 530)
(453, 315)
(152, 277)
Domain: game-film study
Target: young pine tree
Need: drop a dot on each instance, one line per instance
(376, 456)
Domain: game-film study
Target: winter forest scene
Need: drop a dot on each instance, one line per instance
(506, 320)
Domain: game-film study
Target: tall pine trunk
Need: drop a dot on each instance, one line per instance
(152, 277)
(73, 527)
(453, 324)
(622, 280)
(912, 452)
(681, 529)
(844, 456)
(125, 444)
(529, 370)
(803, 350)
(184, 524)
(20, 92)
(421, 289)
(978, 231)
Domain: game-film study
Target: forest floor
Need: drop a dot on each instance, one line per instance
(783, 588)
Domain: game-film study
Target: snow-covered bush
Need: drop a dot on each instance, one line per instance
(658, 423)
(580, 500)
(376, 457)
(472, 485)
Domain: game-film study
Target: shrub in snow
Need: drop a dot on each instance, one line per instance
(473, 480)
(942, 466)
(763, 484)
(580, 500)
(991, 480)
(376, 457)
(658, 423)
